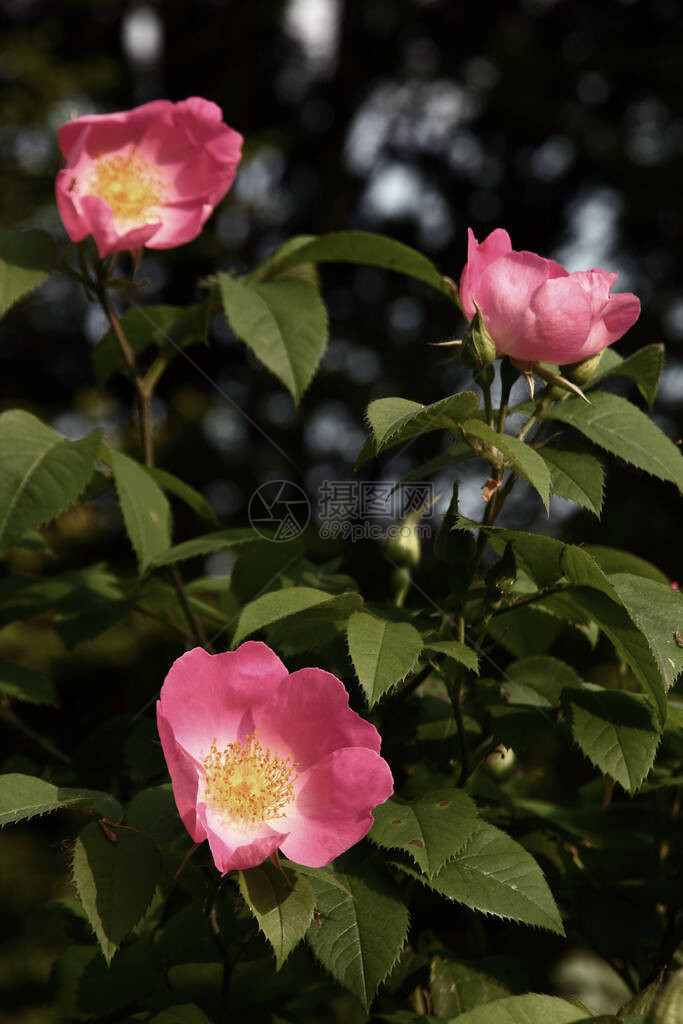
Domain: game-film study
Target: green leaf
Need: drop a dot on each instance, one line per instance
(357, 247)
(26, 259)
(154, 812)
(284, 323)
(494, 874)
(526, 462)
(87, 988)
(26, 684)
(642, 1001)
(525, 631)
(174, 485)
(615, 730)
(644, 367)
(169, 328)
(539, 556)
(669, 1006)
(622, 429)
(185, 1013)
(538, 681)
(207, 544)
(25, 796)
(363, 926)
(613, 560)
(456, 651)
(654, 608)
(582, 570)
(382, 652)
(432, 828)
(95, 601)
(457, 986)
(281, 604)
(42, 473)
(527, 1009)
(657, 611)
(115, 881)
(282, 902)
(628, 641)
(145, 508)
(575, 475)
(395, 420)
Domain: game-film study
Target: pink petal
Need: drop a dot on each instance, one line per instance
(91, 215)
(560, 322)
(309, 717)
(619, 314)
(235, 848)
(180, 223)
(212, 696)
(596, 284)
(103, 133)
(334, 802)
(479, 256)
(184, 778)
(504, 294)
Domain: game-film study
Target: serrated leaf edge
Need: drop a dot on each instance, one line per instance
(366, 1002)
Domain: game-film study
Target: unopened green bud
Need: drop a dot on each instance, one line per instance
(501, 762)
(478, 347)
(584, 371)
(404, 547)
(501, 577)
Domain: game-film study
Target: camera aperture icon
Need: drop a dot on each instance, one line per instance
(279, 510)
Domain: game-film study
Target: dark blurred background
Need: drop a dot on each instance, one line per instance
(561, 120)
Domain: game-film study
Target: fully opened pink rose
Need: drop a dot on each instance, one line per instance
(535, 310)
(149, 176)
(261, 759)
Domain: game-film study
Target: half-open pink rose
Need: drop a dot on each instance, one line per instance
(262, 760)
(149, 176)
(535, 310)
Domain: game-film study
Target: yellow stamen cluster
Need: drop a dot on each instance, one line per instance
(133, 187)
(247, 782)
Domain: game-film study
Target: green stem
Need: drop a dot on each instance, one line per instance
(155, 371)
(543, 402)
(536, 596)
(486, 391)
(211, 911)
(194, 623)
(504, 399)
(144, 389)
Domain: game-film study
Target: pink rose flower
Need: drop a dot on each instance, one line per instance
(262, 760)
(149, 176)
(535, 310)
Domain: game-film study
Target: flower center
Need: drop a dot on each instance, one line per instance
(133, 187)
(249, 783)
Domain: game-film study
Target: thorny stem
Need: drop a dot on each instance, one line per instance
(538, 409)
